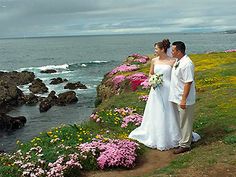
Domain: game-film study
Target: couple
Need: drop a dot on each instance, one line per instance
(168, 115)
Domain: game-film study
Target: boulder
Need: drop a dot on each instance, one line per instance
(48, 71)
(45, 105)
(18, 122)
(38, 86)
(31, 99)
(52, 96)
(61, 100)
(10, 94)
(48, 102)
(73, 86)
(58, 80)
(11, 123)
(17, 78)
(67, 98)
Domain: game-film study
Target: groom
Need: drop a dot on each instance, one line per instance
(182, 94)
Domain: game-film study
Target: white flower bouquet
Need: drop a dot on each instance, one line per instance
(156, 80)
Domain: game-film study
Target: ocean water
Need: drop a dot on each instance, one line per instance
(85, 59)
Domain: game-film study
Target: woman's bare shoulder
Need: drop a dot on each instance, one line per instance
(155, 59)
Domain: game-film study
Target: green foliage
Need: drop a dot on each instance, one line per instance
(230, 139)
(120, 101)
(9, 171)
(72, 172)
(214, 114)
(214, 121)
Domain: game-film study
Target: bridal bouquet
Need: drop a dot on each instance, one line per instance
(156, 80)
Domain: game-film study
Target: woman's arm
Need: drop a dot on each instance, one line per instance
(151, 71)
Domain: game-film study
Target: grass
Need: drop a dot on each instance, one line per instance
(214, 121)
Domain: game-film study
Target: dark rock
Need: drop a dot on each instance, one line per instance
(58, 80)
(10, 94)
(31, 99)
(52, 97)
(61, 100)
(45, 105)
(48, 71)
(17, 78)
(67, 98)
(11, 123)
(48, 102)
(105, 90)
(38, 86)
(73, 86)
(18, 122)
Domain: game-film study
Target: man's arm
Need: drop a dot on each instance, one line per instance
(187, 87)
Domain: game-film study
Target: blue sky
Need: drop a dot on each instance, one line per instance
(79, 17)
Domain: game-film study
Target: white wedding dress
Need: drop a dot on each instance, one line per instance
(159, 128)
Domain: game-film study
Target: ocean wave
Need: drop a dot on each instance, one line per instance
(63, 66)
(46, 67)
(1, 70)
(76, 66)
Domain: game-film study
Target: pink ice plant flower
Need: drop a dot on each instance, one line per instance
(113, 153)
(230, 50)
(141, 60)
(117, 80)
(124, 111)
(137, 55)
(143, 97)
(61, 164)
(28, 167)
(136, 80)
(137, 76)
(135, 118)
(124, 68)
(145, 84)
(95, 117)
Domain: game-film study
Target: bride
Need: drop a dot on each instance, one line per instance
(159, 128)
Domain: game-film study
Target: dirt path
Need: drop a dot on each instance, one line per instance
(153, 159)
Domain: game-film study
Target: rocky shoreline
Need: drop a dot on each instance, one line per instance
(11, 96)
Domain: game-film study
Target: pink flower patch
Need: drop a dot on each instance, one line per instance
(230, 50)
(136, 80)
(135, 118)
(124, 68)
(117, 80)
(114, 153)
(140, 60)
(145, 84)
(143, 98)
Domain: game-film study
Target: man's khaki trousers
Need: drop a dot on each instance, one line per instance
(185, 121)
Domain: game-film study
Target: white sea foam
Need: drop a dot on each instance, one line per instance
(97, 61)
(64, 66)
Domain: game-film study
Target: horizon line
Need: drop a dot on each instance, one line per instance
(90, 35)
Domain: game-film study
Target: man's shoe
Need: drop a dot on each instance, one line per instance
(177, 147)
(181, 150)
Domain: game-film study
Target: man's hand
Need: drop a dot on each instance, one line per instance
(183, 104)
(185, 95)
